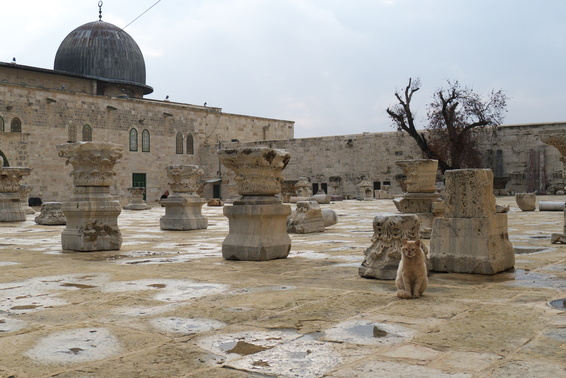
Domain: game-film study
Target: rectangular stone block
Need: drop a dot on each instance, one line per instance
(471, 245)
(469, 193)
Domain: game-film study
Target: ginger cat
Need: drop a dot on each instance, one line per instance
(412, 277)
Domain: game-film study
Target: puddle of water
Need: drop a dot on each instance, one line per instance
(367, 330)
(559, 304)
(523, 250)
(186, 326)
(244, 348)
(11, 325)
(524, 278)
(78, 345)
(367, 333)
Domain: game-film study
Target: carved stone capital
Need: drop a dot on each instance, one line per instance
(10, 178)
(258, 169)
(93, 162)
(184, 178)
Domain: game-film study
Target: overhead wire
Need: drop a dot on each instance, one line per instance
(135, 19)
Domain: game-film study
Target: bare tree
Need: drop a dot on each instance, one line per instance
(453, 116)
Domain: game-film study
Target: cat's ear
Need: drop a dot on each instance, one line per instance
(403, 242)
(418, 242)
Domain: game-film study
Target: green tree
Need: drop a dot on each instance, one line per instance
(454, 115)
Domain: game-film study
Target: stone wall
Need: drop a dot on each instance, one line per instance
(514, 152)
(48, 115)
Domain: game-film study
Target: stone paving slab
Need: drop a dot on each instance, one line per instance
(168, 305)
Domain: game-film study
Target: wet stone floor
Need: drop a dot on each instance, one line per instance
(168, 305)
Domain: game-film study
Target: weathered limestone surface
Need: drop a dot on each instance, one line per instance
(420, 195)
(306, 219)
(384, 254)
(10, 202)
(557, 140)
(526, 201)
(136, 199)
(183, 208)
(51, 214)
(469, 193)
(321, 197)
(303, 188)
(330, 217)
(551, 206)
(472, 238)
(365, 190)
(258, 220)
(420, 175)
(92, 212)
(24, 198)
(464, 326)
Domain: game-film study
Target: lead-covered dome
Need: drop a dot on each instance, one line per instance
(104, 51)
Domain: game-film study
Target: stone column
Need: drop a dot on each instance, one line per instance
(420, 192)
(136, 199)
(383, 256)
(365, 190)
(472, 237)
(24, 198)
(91, 213)
(10, 202)
(258, 219)
(183, 207)
(558, 140)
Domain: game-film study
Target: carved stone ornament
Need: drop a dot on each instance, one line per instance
(258, 169)
(184, 178)
(93, 162)
(384, 254)
(557, 140)
(10, 178)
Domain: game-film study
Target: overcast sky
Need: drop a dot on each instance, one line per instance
(332, 66)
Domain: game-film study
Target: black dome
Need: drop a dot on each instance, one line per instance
(104, 51)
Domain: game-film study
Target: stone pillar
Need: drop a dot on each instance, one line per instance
(51, 214)
(365, 190)
(91, 213)
(10, 202)
(183, 207)
(384, 254)
(526, 201)
(258, 219)
(24, 198)
(558, 140)
(472, 237)
(421, 194)
(136, 199)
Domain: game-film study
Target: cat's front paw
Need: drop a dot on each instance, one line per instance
(404, 294)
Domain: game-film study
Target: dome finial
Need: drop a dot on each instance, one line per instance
(100, 10)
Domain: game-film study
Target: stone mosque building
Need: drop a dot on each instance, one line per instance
(96, 90)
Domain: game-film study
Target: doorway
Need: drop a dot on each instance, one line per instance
(139, 181)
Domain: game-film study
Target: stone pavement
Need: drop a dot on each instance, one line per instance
(168, 305)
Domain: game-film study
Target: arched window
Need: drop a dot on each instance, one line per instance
(87, 133)
(1, 125)
(145, 141)
(190, 144)
(16, 126)
(72, 133)
(133, 140)
(179, 143)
